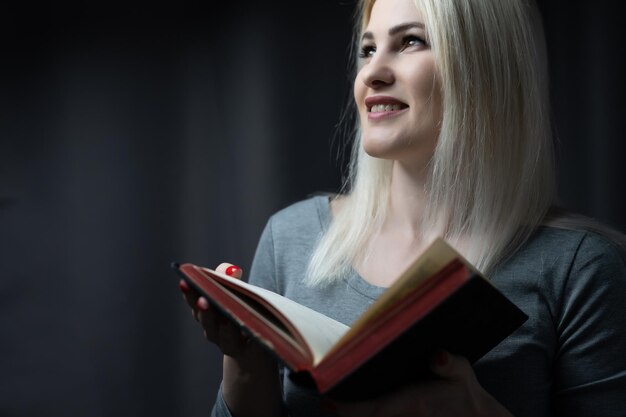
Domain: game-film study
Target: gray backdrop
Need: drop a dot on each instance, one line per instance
(135, 135)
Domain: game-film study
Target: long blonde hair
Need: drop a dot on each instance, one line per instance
(491, 178)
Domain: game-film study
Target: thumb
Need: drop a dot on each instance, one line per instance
(449, 366)
(230, 270)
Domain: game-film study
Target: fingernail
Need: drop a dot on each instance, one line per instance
(328, 405)
(231, 270)
(202, 304)
(442, 358)
(183, 285)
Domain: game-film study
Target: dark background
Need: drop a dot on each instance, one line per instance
(132, 135)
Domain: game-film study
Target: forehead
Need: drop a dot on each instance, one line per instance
(387, 13)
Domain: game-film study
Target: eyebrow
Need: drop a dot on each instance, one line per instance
(396, 29)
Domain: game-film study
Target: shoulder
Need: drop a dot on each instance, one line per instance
(569, 269)
(570, 250)
(557, 264)
(581, 243)
(562, 241)
(294, 229)
(595, 234)
(311, 214)
(286, 242)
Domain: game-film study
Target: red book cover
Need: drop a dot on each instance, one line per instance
(440, 302)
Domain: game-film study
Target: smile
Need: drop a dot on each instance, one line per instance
(380, 108)
(383, 107)
(381, 112)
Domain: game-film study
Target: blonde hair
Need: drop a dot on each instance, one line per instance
(491, 178)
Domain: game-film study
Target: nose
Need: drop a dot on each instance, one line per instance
(378, 73)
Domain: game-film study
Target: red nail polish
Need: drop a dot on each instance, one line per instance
(231, 270)
(202, 304)
(442, 358)
(183, 285)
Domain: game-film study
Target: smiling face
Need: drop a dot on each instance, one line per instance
(396, 91)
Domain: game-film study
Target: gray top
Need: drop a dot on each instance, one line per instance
(569, 358)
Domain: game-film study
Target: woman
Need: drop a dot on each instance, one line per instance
(453, 140)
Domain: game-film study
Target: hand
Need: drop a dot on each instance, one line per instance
(217, 328)
(250, 384)
(457, 393)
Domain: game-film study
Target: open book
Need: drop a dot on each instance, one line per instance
(439, 302)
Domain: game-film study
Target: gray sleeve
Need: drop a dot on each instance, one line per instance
(590, 372)
(220, 409)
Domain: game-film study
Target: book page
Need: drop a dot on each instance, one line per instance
(320, 332)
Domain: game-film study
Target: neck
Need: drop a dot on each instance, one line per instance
(392, 248)
(407, 200)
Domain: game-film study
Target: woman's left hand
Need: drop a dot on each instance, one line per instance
(456, 393)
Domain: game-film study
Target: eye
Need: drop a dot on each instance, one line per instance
(411, 41)
(367, 51)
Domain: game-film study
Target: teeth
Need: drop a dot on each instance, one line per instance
(378, 108)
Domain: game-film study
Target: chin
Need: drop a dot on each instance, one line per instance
(384, 149)
(412, 154)
(376, 151)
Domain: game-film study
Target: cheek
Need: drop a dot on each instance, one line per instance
(358, 92)
(427, 95)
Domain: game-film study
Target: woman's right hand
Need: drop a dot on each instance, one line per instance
(250, 384)
(217, 328)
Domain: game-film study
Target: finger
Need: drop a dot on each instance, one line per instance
(219, 330)
(191, 297)
(230, 270)
(190, 294)
(202, 304)
(453, 367)
(208, 319)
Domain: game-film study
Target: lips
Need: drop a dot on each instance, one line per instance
(381, 108)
